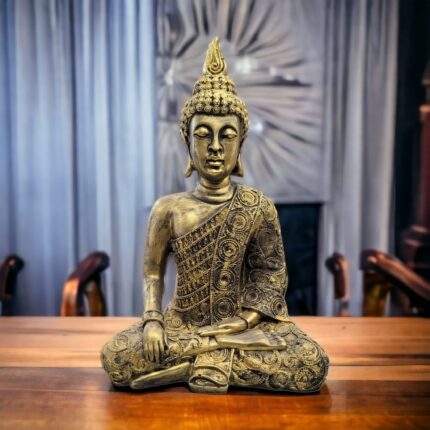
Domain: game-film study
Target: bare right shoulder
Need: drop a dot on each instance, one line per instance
(163, 213)
(166, 206)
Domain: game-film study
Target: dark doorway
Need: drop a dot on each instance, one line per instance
(299, 225)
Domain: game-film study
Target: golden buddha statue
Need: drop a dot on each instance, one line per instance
(227, 323)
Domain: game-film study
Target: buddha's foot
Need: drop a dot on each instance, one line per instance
(211, 372)
(171, 375)
(204, 382)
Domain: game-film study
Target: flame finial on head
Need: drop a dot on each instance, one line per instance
(214, 63)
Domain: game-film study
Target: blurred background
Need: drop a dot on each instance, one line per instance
(90, 95)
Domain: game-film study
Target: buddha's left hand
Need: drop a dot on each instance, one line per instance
(229, 325)
(247, 319)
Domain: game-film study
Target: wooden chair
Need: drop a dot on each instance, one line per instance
(383, 272)
(9, 270)
(339, 267)
(82, 293)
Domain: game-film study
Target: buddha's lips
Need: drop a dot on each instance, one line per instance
(215, 162)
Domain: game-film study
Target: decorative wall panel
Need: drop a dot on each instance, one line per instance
(274, 52)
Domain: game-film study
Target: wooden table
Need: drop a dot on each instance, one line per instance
(50, 378)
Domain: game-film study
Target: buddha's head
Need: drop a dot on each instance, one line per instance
(214, 121)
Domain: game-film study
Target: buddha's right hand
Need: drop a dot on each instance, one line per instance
(154, 341)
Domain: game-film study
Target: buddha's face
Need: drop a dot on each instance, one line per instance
(214, 145)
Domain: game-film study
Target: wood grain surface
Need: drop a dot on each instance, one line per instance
(50, 378)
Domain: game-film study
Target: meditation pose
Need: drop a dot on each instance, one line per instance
(227, 323)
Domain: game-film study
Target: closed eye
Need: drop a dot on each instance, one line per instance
(201, 132)
(229, 133)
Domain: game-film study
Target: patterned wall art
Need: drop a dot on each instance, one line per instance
(274, 52)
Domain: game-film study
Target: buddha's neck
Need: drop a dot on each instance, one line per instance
(214, 192)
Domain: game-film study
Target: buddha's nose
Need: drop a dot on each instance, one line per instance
(215, 146)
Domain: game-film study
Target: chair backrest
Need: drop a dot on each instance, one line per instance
(9, 269)
(381, 272)
(82, 293)
(339, 267)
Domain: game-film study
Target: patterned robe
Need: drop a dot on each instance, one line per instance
(233, 261)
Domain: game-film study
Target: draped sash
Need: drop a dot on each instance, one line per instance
(209, 261)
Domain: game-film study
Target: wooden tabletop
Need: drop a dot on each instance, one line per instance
(50, 378)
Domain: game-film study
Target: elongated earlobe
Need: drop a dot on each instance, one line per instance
(238, 169)
(189, 169)
(183, 138)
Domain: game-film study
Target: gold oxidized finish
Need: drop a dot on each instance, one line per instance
(227, 323)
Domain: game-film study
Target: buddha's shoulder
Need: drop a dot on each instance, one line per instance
(169, 203)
